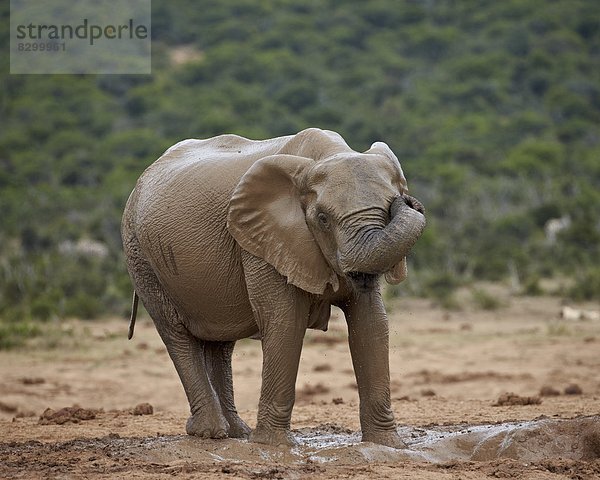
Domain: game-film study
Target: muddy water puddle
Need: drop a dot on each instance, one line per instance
(542, 439)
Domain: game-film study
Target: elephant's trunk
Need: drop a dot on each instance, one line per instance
(378, 250)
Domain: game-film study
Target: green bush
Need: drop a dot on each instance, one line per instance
(531, 286)
(587, 285)
(485, 300)
(15, 334)
(534, 158)
(441, 287)
(83, 306)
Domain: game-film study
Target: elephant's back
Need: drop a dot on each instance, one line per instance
(188, 188)
(214, 163)
(180, 220)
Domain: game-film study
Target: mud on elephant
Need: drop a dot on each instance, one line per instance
(228, 238)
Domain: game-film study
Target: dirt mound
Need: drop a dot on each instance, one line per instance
(549, 391)
(143, 409)
(507, 399)
(308, 391)
(66, 415)
(573, 389)
(76, 414)
(32, 380)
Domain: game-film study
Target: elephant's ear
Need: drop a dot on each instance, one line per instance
(398, 273)
(266, 219)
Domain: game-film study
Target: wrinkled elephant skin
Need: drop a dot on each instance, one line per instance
(229, 238)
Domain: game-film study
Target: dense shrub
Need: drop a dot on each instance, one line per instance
(493, 112)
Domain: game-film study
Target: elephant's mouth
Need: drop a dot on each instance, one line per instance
(363, 282)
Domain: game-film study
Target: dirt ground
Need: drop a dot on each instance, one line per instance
(449, 370)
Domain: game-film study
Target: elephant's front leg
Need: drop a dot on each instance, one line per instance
(369, 346)
(281, 356)
(281, 311)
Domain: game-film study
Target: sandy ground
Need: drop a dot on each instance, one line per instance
(448, 371)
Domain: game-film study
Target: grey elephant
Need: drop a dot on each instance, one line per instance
(229, 238)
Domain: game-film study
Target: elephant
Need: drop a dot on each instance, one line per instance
(228, 238)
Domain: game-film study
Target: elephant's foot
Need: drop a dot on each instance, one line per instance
(237, 427)
(207, 425)
(273, 437)
(389, 438)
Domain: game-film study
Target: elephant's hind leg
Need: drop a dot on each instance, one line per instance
(188, 354)
(186, 351)
(218, 360)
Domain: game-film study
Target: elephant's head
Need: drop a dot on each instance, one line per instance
(319, 210)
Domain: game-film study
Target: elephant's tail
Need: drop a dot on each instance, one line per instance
(134, 307)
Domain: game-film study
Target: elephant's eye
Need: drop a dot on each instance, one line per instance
(323, 219)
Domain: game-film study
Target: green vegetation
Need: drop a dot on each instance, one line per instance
(492, 107)
(14, 334)
(587, 285)
(485, 300)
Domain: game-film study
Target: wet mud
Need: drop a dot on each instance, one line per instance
(328, 445)
(533, 441)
